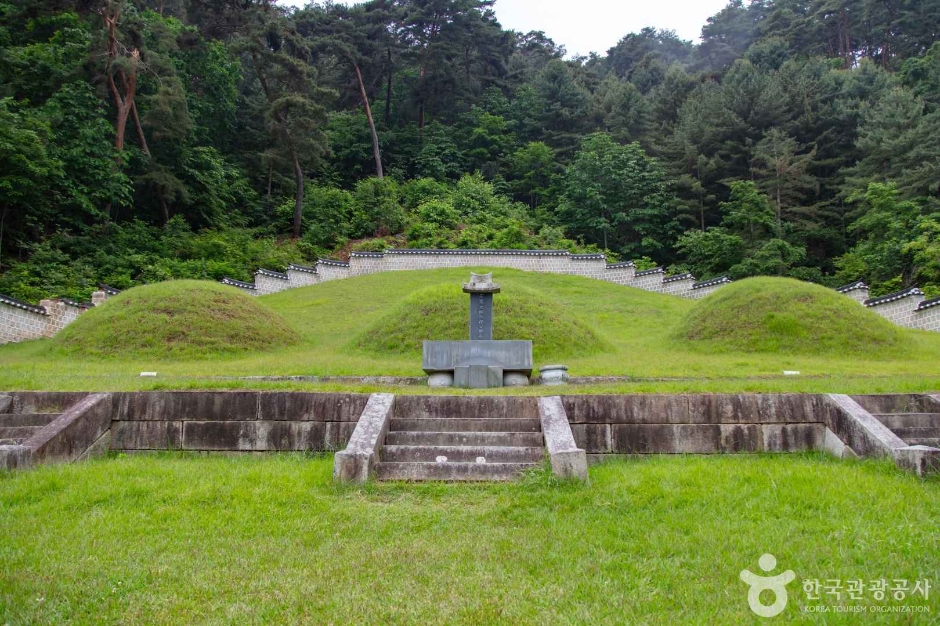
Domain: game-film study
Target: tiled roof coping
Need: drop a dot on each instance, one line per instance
(368, 255)
(852, 287)
(75, 303)
(926, 304)
(621, 264)
(892, 297)
(111, 291)
(272, 274)
(26, 306)
(302, 268)
(332, 262)
(672, 279)
(481, 252)
(650, 272)
(238, 283)
(711, 282)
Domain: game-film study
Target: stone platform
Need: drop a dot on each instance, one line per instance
(478, 364)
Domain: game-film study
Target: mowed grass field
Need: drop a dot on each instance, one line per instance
(179, 539)
(372, 325)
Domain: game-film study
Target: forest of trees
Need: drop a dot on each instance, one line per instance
(142, 140)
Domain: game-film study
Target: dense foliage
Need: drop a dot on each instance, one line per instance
(149, 139)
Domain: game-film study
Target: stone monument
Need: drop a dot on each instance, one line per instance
(481, 362)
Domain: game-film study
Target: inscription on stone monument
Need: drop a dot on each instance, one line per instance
(481, 316)
(481, 289)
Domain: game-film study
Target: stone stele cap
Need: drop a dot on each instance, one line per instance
(481, 283)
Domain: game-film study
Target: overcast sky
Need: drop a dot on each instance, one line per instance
(585, 26)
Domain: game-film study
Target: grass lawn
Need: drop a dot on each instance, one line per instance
(623, 332)
(270, 539)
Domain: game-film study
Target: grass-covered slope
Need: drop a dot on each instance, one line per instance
(442, 312)
(782, 315)
(184, 319)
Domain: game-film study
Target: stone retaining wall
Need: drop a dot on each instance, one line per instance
(20, 321)
(700, 424)
(601, 425)
(234, 421)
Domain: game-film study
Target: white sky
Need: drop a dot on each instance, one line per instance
(585, 26)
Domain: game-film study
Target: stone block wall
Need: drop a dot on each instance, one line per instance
(234, 421)
(267, 282)
(302, 276)
(60, 314)
(649, 280)
(900, 311)
(589, 266)
(20, 321)
(927, 316)
(332, 270)
(699, 424)
(362, 263)
(620, 273)
(257, 421)
(19, 324)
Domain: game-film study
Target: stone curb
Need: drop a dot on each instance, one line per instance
(357, 462)
(567, 460)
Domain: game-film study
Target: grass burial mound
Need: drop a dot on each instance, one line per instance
(789, 316)
(442, 312)
(184, 319)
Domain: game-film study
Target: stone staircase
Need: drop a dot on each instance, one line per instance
(916, 429)
(437, 441)
(52, 427)
(915, 419)
(15, 426)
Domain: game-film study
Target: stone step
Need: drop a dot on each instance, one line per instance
(26, 419)
(411, 438)
(918, 433)
(472, 425)
(933, 442)
(460, 454)
(16, 434)
(909, 420)
(451, 472)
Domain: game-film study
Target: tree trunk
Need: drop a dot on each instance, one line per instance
(299, 198)
(140, 130)
(779, 211)
(2, 220)
(388, 92)
(164, 210)
(124, 104)
(270, 177)
(423, 74)
(375, 136)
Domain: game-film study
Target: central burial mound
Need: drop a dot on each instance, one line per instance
(177, 319)
(440, 312)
